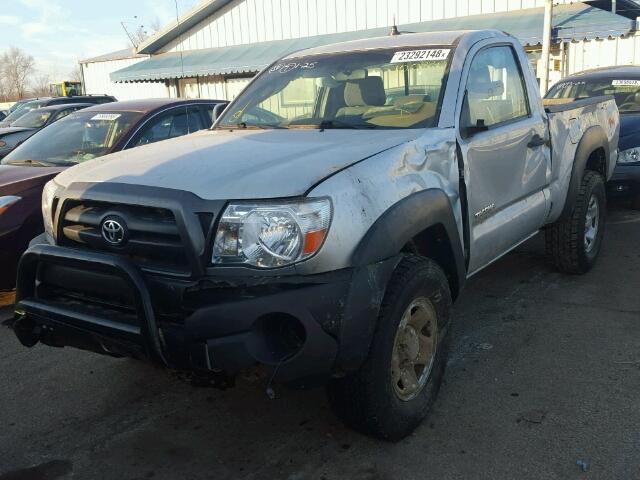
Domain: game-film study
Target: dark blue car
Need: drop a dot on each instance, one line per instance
(624, 84)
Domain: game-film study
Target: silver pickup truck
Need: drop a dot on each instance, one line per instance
(324, 225)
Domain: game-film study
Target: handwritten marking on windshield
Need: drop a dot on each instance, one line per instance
(287, 67)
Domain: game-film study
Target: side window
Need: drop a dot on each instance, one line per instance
(207, 111)
(496, 91)
(195, 119)
(167, 125)
(62, 114)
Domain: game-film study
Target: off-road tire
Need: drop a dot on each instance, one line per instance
(565, 239)
(366, 400)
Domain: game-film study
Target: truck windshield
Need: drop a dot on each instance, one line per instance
(77, 138)
(625, 91)
(385, 88)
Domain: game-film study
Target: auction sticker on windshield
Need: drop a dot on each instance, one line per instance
(106, 116)
(430, 55)
(626, 83)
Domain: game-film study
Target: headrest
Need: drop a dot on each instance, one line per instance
(365, 91)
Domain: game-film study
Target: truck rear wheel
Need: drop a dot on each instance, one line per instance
(574, 242)
(394, 389)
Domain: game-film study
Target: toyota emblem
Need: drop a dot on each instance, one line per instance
(114, 231)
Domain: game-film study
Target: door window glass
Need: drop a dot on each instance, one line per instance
(495, 89)
(195, 119)
(62, 114)
(168, 125)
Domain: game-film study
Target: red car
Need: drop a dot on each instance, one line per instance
(81, 136)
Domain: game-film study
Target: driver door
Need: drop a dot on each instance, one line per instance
(505, 154)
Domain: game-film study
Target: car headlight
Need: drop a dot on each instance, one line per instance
(631, 155)
(48, 194)
(269, 235)
(7, 201)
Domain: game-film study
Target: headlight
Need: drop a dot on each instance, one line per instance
(48, 193)
(270, 235)
(6, 202)
(631, 155)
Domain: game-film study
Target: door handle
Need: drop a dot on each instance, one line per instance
(536, 141)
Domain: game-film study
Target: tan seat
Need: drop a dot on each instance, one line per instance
(360, 95)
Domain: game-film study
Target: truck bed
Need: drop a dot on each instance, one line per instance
(569, 120)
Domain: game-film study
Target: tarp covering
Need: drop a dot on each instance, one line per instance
(571, 22)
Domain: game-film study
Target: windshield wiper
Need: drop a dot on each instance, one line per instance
(32, 163)
(257, 126)
(335, 124)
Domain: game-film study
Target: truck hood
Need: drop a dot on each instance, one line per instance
(15, 179)
(239, 164)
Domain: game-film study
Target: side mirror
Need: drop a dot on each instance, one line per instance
(471, 130)
(467, 130)
(217, 111)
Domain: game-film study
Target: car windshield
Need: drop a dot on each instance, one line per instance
(33, 119)
(625, 91)
(16, 114)
(17, 106)
(77, 138)
(385, 88)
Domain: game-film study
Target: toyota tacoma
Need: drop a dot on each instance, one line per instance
(326, 222)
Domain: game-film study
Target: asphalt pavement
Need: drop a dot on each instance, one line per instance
(544, 374)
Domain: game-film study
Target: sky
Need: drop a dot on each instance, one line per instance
(58, 33)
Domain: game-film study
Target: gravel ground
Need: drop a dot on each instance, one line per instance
(545, 372)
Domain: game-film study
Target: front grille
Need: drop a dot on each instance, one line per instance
(152, 237)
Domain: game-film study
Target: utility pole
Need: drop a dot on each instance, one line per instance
(546, 46)
(613, 6)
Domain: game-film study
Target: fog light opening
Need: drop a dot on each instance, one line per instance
(276, 338)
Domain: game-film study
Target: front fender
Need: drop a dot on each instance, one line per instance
(404, 221)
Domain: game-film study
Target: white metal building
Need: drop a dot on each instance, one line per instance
(216, 48)
(95, 77)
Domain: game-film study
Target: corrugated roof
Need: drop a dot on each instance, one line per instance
(571, 22)
(117, 55)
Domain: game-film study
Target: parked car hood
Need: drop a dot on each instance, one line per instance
(7, 130)
(15, 179)
(629, 130)
(239, 164)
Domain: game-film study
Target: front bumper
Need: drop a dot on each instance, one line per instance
(625, 180)
(302, 327)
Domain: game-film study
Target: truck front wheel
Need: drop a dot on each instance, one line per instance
(574, 242)
(394, 389)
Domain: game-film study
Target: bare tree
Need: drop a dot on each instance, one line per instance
(140, 35)
(4, 93)
(142, 32)
(155, 25)
(75, 75)
(40, 85)
(16, 66)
